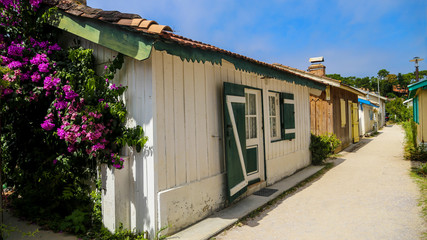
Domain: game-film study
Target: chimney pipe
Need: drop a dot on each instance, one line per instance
(317, 67)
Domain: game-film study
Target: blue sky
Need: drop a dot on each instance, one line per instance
(356, 38)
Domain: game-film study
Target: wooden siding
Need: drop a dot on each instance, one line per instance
(343, 133)
(333, 116)
(422, 116)
(137, 75)
(190, 117)
(321, 115)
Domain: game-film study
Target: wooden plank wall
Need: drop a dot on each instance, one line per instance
(321, 115)
(279, 149)
(343, 133)
(189, 116)
(137, 75)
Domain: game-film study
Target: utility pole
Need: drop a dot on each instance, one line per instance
(379, 103)
(416, 60)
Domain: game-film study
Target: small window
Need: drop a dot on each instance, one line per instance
(274, 115)
(251, 116)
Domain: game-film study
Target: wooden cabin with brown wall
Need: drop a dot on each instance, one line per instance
(321, 114)
(345, 116)
(335, 110)
(335, 114)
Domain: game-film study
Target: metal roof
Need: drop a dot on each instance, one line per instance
(413, 87)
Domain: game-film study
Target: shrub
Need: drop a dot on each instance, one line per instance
(413, 152)
(421, 170)
(60, 119)
(322, 147)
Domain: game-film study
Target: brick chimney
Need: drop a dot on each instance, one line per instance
(316, 67)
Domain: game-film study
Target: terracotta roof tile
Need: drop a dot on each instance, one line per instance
(136, 22)
(126, 22)
(146, 23)
(74, 12)
(64, 5)
(91, 11)
(156, 28)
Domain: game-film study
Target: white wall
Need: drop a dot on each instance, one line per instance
(179, 178)
(189, 135)
(136, 207)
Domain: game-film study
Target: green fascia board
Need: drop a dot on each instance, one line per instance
(417, 85)
(117, 38)
(413, 87)
(196, 54)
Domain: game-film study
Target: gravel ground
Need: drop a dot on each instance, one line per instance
(368, 195)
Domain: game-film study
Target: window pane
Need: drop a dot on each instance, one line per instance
(273, 127)
(253, 130)
(246, 105)
(252, 104)
(272, 105)
(247, 127)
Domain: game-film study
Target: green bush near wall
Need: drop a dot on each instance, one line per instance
(322, 147)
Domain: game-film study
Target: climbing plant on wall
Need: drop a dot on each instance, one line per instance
(60, 119)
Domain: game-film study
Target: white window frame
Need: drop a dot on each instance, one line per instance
(278, 136)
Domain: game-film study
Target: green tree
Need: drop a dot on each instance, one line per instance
(383, 73)
(397, 111)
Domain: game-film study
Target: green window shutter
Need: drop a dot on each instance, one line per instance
(287, 115)
(415, 108)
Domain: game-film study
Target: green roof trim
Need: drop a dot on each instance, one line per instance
(413, 87)
(196, 54)
(117, 38)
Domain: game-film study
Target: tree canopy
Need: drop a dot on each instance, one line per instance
(389, 83)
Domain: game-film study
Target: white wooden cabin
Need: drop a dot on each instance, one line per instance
(368, 115)
(219, 124)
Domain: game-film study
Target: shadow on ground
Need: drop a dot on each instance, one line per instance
(359, 145)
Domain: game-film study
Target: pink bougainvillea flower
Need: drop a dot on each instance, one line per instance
(14, 65)
(15, 50)
(39, 59)
(7, 91)
(44, 67)
(50, 83)
(71, 148)
(6, 60)
(35, 77)
(35, 3)
(113, 87)
(43, 45)
(9, 77)
(54, 47)
(59, 105)
(69, 93)
(47, 125)
(98, 146)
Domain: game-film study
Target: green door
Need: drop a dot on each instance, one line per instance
(244, 149)
(235, 139)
